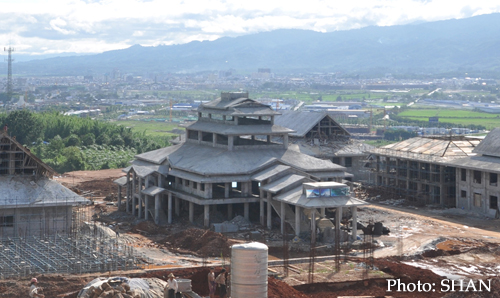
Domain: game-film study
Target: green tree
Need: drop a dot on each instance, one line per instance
(25, 126)
(88, 139)
(56, 145)
(73, 140)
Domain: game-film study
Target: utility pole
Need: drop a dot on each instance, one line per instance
(9, 72)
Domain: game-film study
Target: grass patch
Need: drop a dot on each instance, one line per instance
(150, 128)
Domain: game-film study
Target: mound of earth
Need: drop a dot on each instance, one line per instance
(203, 243)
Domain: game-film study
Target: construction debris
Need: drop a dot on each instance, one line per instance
(123, 287)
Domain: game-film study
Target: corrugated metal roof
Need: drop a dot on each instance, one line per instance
(303, 122)
(490, 145)
(21, 192)
(422, 148)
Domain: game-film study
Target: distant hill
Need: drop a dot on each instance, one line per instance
(443, 46)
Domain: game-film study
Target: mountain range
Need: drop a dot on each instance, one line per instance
(470, 44)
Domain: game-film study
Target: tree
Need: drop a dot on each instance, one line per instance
(73, 140)
(25, 126)
(88, 139)
(56, 145)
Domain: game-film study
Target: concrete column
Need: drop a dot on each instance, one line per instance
(199, 137)
(229, 211)
(298, 210)
(285, 141)
(169, 207)
(127, 203)
(442, 191)
(261, 207)
(141, 181)
(269, 210)
(134, 191)
(146, 200)
(282, 217)
(338, 217)
(206, 216)
(246, 211)
(160, 181)
(227, 187)
(177, 206)
(157, 209)
(230, 142)
(354, 211)
(191, 212)
(268, 139)
(313, 225)
(323, 212)
(119, 196)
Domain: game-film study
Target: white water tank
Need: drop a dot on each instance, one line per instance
(249, 270)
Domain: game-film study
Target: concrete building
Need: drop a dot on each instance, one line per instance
(235, 159)
(31, 204)
(423, 169)
(319, 135)
(477, 184)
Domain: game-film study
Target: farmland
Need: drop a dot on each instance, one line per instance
(458, 117)
(150, 128)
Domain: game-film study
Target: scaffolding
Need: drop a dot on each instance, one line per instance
(67, 241)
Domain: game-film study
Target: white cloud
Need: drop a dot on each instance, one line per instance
(97, 25)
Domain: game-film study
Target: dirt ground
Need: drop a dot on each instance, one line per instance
(435, 243)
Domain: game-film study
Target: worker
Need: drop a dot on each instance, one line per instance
(221, 282)
(171, 288)
(212, 286)
(35, 291)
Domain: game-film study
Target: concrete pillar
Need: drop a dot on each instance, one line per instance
(177, 206)
(442, 191)
(119, 196)
(354, 211)
(157, 209)
(246, 211)
(269, 211)
(206, 216)
(191, 212)
(229, 211)
(261, 207)
(285, 141)
(338, 217)
(313, 225)
(169, 207)
(227, 187)
(282, 217)
(214, 139)
(199, 137)
(127, 203)
(298, 210)
(268, 139)
(141, 181)
(134, 191)
(323, 212)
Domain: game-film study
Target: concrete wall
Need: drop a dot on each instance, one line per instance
(37, 221)
(471, 187)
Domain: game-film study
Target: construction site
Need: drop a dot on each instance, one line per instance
(237, 196)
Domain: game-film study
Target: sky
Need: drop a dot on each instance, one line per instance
(48, 27)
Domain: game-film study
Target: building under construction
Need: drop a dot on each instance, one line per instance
(319, 135)
(422, 169)
(44, 226)
(235, 159)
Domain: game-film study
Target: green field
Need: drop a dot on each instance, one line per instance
(151, 128)
(459, 117)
